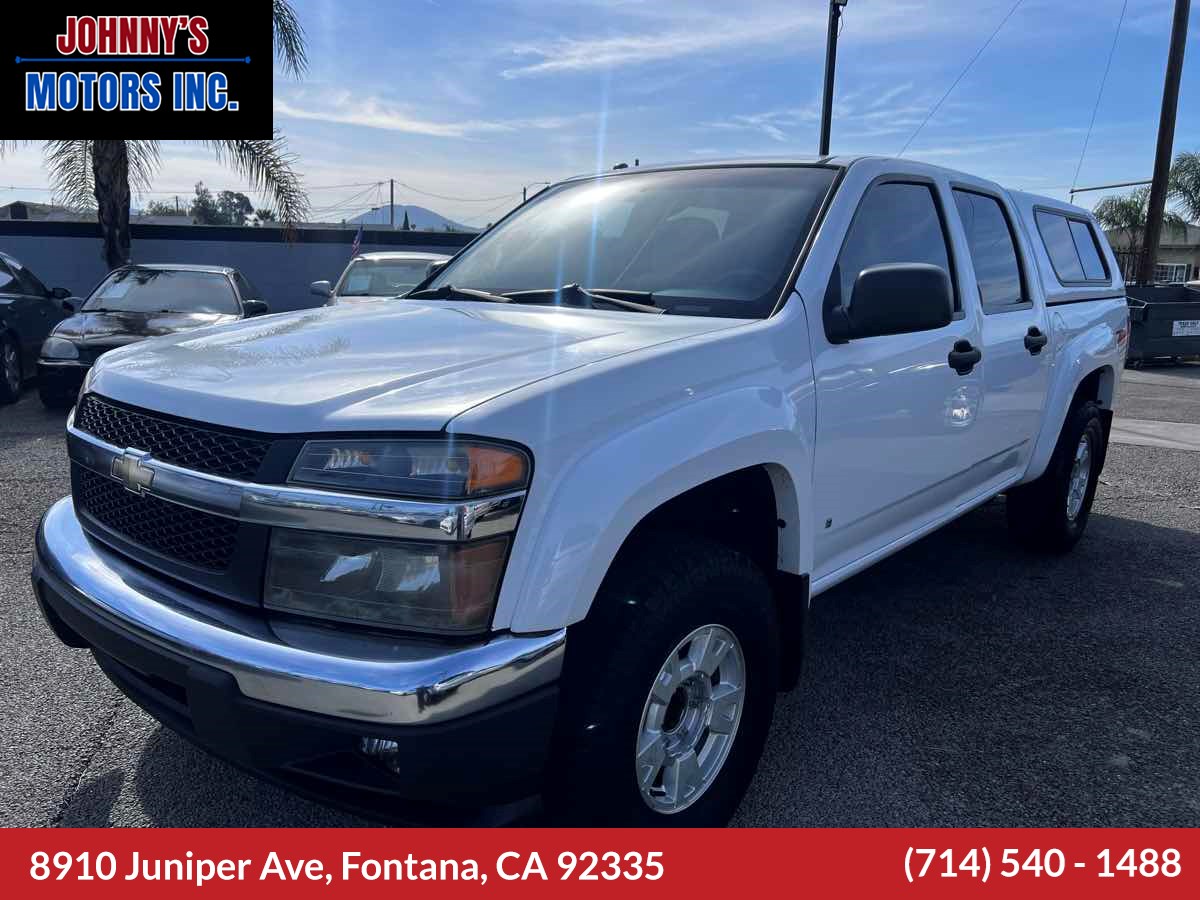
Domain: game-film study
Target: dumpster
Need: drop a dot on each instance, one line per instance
(1164, 323)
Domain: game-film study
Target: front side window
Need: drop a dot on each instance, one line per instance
(706, 242)
(163, 290)
(8, 282)
(27, 282)
(993, 252)
(895, 223)
(382, 277)
(246, 287)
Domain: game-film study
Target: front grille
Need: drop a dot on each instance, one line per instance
(189, 446)
(192, 537)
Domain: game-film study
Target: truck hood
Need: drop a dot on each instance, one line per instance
(408, 366)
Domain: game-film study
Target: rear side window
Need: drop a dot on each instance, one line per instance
(1071, 245)
(993, 251)
(896, 223)
(1089, 254)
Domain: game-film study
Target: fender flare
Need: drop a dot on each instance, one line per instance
(1088, 352)
(584, 512)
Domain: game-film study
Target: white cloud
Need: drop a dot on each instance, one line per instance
(631, 34)
(581, 54)
(872, 112)
(351, 108)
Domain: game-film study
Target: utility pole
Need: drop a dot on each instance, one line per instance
(392, 202)
(176, 204)
(835, 15)
(1166, 142)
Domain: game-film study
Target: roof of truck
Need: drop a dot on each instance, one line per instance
(841, 161)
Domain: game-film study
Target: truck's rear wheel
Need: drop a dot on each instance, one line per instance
(1051, 513)
(668, 689)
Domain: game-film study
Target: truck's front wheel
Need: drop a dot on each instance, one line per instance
(668, 690)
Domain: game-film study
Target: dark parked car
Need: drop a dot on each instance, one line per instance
(138, 302)
(28, 310)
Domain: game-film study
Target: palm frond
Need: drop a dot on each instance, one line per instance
(143, 164)
(1185, 184)
(288, 35)
(267, 165)
(71, 176)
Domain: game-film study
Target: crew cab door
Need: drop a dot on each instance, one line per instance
(896, 445)
(1016, 348)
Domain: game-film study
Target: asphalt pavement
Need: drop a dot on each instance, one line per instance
(961, 682)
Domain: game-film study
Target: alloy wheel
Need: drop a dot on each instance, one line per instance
(690, 719)
(1081, 471)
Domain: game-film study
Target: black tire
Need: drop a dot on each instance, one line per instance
(654, 598)
(11, 376)
(55, 400)
(1039, 516)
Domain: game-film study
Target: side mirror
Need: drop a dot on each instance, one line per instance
(435, 267)
(898, 298)
(60, 293)
(321, 288)
(251, 308)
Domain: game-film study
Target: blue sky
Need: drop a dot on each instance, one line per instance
(476, 98)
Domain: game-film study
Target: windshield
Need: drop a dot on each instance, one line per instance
(382, 277)
(164, 290)
(705, 242)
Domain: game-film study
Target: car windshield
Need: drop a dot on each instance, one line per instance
(705, 242)
(164, 290)
(382, 277)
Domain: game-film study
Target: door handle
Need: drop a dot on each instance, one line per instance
(1035, 341)
(963, 358)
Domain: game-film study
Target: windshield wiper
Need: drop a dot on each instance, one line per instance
(585, 298)
(450, 292)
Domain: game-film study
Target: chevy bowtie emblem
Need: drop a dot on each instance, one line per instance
(128, 468)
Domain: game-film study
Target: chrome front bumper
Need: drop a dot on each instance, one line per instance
(382, 680)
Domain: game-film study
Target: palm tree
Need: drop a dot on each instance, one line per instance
(1126, 214)
(103, 173)
(1185, 184)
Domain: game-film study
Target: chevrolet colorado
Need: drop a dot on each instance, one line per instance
(550, 527)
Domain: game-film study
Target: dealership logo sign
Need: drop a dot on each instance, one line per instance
(72, 75)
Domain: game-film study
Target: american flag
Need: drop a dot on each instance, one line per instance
(354, 248)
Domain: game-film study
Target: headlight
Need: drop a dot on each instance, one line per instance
(59, 348)
(421, 468)
(446, 588)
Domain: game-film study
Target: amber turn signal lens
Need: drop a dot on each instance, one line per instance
(494, 469)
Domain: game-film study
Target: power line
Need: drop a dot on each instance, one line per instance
(1099, 94)
(483, 215)
(457, 199)
(960, 77)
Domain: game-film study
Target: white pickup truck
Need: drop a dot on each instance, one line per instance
(550, 527)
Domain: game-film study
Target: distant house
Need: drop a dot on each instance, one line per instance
(1178, 255)
(27, 211)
